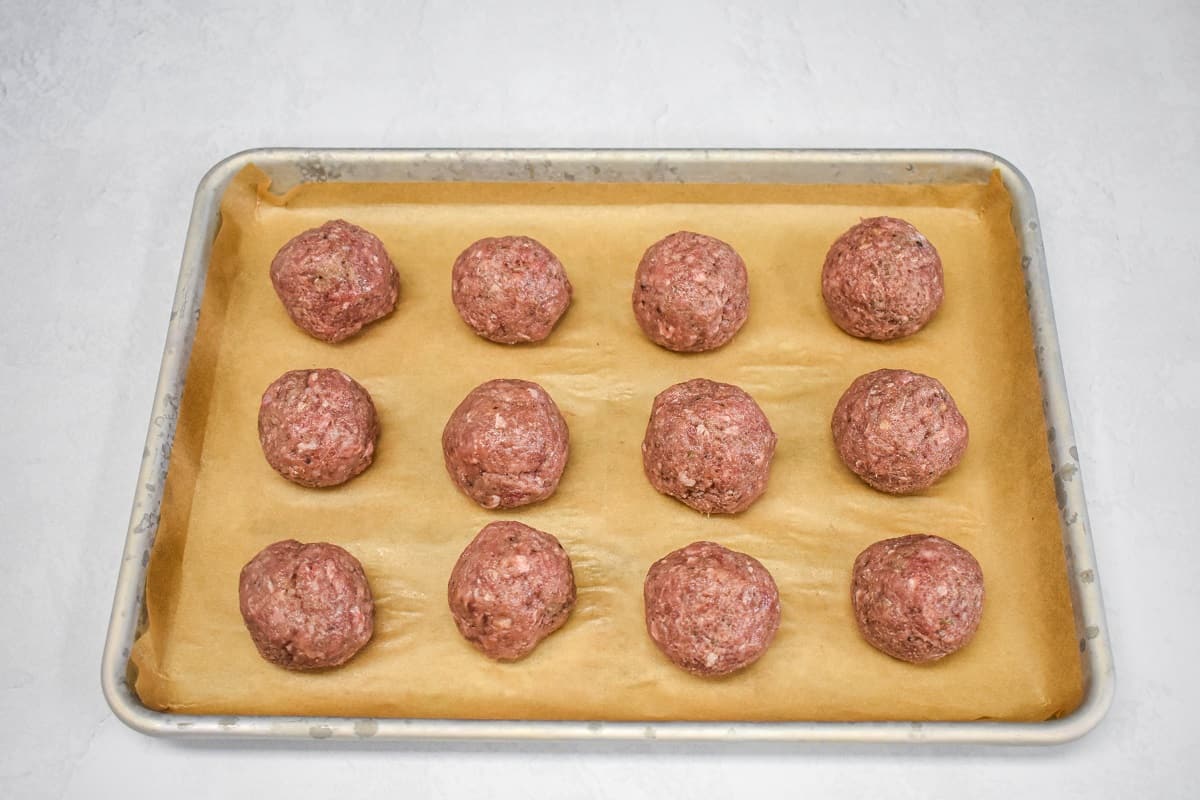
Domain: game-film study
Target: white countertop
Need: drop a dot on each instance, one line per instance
(110, 114)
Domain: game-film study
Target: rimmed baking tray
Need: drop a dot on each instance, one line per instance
(288, 168)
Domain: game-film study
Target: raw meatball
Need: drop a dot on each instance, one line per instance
(506, 444)
(335, 279)
(317, 427)
(709, 445)
(691, 292)
(511, 588)
(882, 279)
(899, 431)
(510, 289)
(917, 598)
(307, 606)
(711, 610)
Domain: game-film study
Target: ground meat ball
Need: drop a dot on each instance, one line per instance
(335, 279)
(917, 598)
(882, 279)
(506, 444)
(711, 610)
(510, 289)
(317, 427)
(511, 588)
(709, 445)
(899, 431)
(691, 292)
(307, 606)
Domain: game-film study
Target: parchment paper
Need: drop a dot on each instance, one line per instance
(407, 523)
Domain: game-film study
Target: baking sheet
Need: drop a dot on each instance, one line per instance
(407, 523)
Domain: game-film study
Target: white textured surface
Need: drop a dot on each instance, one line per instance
(110, 113)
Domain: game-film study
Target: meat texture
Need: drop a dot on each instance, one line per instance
(511, 588)
(506, 444)
(711, 611)
(317, 427)
(691, 292)
(709, 445)
(510, 289)
(882, 279)
(917, 598)
(335, 279)
(306, 606)
(899, 431)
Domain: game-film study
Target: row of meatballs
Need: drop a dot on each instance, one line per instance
(707, 444)
(882, 279)
(710, 610)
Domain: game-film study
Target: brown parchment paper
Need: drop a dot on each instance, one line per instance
(407, 523)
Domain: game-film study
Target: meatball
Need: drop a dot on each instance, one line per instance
(307, 606)
(335, 279)
(506, 444)
(691, 292)
(711, 610)
(917, 598)
(899, 431)
(709, 445)
(317, 427)
(511, 587)
(511, 289)
(882, 279)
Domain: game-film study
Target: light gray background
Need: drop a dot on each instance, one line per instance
(110, 113)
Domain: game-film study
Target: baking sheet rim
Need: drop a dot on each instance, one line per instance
(535, 165)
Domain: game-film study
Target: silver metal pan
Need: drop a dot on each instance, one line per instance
(288, 167)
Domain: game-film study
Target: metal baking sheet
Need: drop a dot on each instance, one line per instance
(289, 167)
